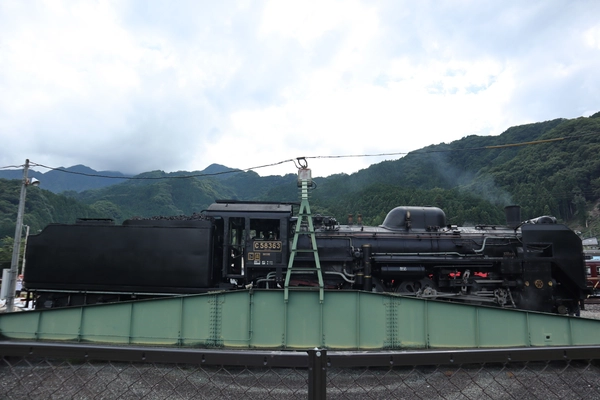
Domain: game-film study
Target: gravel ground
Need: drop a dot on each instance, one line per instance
(22, 379)
(591, 311)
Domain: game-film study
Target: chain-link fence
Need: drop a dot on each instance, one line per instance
(49, 371)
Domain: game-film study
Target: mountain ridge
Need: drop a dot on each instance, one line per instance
(548, 167)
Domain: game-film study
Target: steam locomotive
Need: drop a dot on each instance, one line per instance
(533, 265)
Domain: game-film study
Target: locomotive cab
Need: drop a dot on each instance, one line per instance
(252, 239)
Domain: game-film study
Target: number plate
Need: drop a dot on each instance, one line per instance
(267, 245)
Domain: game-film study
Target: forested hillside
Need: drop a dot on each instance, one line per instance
(41, 208)
(151, 194)
(549, 167)
(554, 170)
(160, 193)
(561, 177)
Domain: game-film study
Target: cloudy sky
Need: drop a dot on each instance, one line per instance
(142, 85)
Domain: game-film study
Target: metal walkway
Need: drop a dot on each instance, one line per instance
(261, 319)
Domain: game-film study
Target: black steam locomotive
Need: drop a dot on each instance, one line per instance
(532, 265)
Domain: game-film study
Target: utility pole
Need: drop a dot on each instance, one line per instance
(25, 249)
(14, 266)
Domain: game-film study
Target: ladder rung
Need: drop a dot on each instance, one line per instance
(305, 228)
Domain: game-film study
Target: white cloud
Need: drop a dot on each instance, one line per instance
(591, 37)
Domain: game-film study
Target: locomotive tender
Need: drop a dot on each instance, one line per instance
(533, 265)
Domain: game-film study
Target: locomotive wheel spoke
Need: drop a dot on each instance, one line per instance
(420, 286)
(408, 287)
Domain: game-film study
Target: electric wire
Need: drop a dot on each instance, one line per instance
(300, 162)
(158, 177)
(13, 166)
(423, 151)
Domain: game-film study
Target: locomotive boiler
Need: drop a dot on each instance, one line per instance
(532, 265)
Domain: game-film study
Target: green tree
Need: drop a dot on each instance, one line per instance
(6, 250)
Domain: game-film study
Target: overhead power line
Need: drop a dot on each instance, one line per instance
(524, 143)
(534, 142)
(142, 178)
(529, 143)
(13, 166)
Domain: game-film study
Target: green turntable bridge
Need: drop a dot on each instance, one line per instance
(261, 319)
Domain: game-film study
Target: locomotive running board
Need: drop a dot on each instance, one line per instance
(260, 319)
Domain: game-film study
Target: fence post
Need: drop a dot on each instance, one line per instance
(317, 374)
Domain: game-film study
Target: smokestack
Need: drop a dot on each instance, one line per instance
(513, 216)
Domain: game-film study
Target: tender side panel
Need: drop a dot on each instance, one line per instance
(125, 258)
